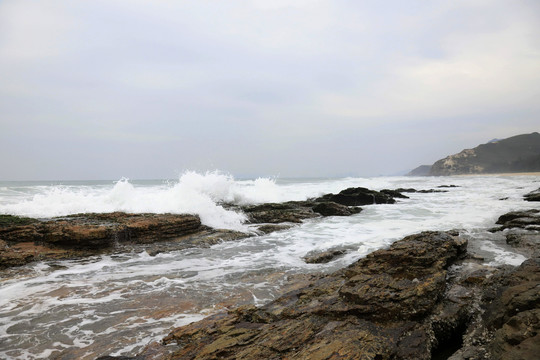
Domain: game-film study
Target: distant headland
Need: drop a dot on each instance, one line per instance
(516, 154)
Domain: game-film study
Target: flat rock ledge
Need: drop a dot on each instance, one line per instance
(23, 240)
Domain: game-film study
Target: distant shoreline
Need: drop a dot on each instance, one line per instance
(534, 173)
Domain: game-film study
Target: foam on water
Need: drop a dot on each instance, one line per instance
(193, 193)
(76, 307)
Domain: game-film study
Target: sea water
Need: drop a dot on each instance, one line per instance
(116, 304)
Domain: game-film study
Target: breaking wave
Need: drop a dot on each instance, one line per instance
(193, 193)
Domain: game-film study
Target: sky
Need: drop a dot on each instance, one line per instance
(304, 88)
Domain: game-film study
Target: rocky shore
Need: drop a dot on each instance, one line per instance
(424, 297)
(24, 240)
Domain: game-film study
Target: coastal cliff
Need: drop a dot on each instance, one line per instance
(519, 153)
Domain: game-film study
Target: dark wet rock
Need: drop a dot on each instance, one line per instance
(329, 208)
(529, 241)
(274, 213)
(411, 190)
(506, 324)
(533, 196)
(389, 305)
(406, 190)
(526, 219)
(324, 257)
(358, 196)
(508, 217)
(294, 211)
(447, 186)
(394, 194)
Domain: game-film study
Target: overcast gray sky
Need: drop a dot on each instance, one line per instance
(148, 89)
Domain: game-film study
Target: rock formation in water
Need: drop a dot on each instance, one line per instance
(358, 196)
(519, 153)
(23, 240)
(533, 195)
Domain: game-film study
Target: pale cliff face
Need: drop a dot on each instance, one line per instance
(457, 164)
(519, 153)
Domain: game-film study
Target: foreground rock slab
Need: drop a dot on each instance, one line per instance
(24, 240)
(420, 299)
(381, 307)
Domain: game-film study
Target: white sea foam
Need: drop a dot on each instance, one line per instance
(194, 193)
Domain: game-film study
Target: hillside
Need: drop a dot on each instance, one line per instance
(520, 153)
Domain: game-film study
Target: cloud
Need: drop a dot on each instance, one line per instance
(476, 71)
(35, 32)
(212, 78)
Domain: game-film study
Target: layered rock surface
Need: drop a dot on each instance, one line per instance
(533, 195)
(86, 234)
(388, 305)
(422, 298)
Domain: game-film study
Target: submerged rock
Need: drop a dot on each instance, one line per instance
(394, 193)
(269, 228)
(329, 208)
(411, 190)
(324, 257)
(525, 219)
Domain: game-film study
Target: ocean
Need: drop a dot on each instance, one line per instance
(116, 304)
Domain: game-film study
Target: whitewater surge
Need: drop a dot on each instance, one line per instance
(72, 309)
(193, 193)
